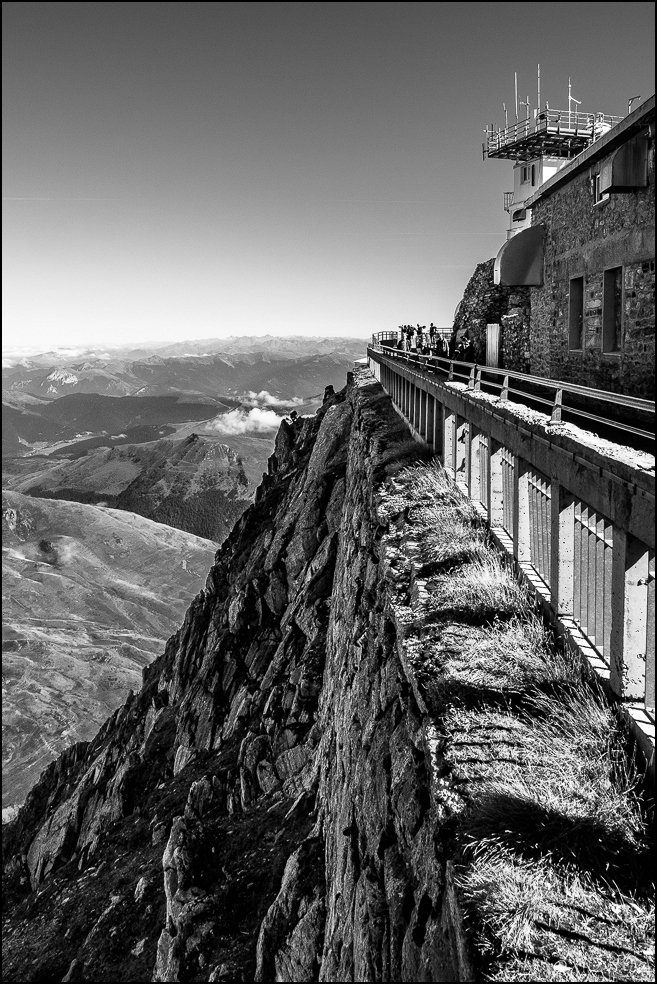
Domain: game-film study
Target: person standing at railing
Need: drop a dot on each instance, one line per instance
(469, 350)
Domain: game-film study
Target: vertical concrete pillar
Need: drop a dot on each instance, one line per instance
(448, 442)
(424, 396)
(562, 548)
(629, 616)
(417, 393)
(521, 525)
(474, 470)
(431, 420)
(439, 430)
(496, 484)
(462, 464)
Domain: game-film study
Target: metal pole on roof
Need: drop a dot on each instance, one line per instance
(539, 88)
(516, 78)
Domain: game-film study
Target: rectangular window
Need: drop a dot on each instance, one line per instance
(598, 196)
(576, 313)
(612, 309)
(533, 174)
(525, 174)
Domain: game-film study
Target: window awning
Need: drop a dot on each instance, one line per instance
(627, 168)
(519, 263)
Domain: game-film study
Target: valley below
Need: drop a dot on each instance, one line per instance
(121, 477)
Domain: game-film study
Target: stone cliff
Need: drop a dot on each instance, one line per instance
(283, 799)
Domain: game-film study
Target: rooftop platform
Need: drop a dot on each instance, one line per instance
(553, 133)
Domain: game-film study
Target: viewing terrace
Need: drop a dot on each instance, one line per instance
(573, 512)
(552, 133)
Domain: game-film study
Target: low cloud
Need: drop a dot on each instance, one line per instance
(263, 397)
(256, 421)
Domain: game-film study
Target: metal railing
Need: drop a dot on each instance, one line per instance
(508, 200)
(551, 121)
(527, 389)
(548, 507)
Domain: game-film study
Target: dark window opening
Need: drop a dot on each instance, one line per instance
(612, 310)
(576, 313)
(519, 214)
(533, 174)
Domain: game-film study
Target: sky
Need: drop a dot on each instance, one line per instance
(175, 171)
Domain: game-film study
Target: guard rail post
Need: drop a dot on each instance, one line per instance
(431, 421)
(629, 616)
(562, 549)
(496, 484)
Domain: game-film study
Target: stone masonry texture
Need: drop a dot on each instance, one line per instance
(584, 240)
(485, 303)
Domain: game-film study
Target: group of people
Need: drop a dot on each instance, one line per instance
(432, 342)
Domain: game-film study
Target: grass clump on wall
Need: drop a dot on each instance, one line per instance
(549, 834)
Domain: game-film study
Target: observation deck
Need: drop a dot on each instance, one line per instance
(552, 133)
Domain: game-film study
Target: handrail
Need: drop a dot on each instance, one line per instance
(553, 121)
(472, 374)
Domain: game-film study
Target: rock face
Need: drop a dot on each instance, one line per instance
(485, 303)
(274, 764)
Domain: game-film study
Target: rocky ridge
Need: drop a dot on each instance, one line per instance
(281, 785)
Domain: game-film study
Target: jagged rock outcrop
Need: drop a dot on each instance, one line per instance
(244, 687)
(276, 802)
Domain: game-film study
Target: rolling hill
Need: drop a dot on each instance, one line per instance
(90, 596)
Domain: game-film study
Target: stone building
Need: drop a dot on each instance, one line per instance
(589, 259)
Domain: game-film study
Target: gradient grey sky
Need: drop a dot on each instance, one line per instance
(190, 170)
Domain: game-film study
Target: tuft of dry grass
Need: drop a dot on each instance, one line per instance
(552, 847)
(507, 656)
(479, 592)
(550, 929)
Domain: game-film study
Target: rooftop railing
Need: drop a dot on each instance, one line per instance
(588, 126)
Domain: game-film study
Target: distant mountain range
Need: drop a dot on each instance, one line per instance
(192, 377)
(94, 415)
(268, 346)
(197, 485)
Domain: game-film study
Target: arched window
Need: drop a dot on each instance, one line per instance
(519, 215)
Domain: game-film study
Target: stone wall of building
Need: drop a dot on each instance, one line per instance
(584, 240)
(485, 303)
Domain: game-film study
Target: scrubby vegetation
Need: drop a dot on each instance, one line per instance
(549, 823)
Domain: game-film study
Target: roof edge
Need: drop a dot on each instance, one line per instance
(599, 148)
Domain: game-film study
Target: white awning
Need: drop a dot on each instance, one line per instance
(519, 263)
